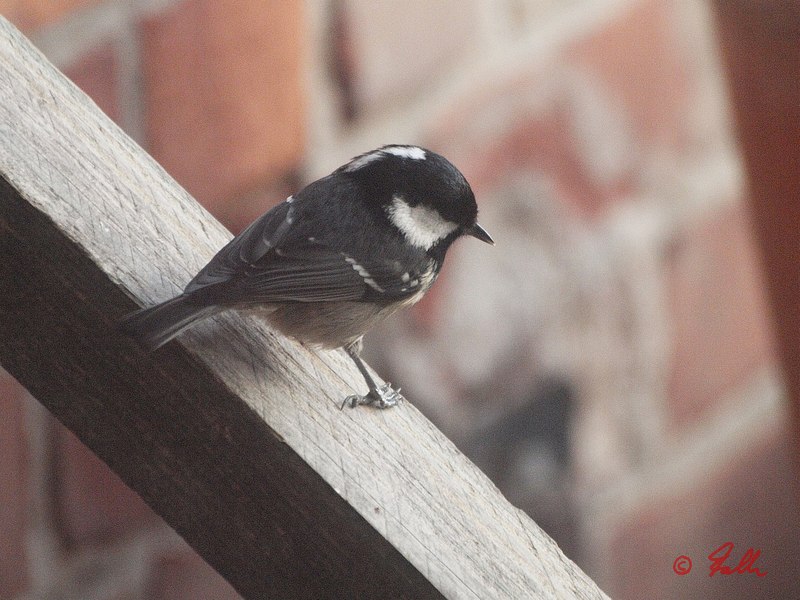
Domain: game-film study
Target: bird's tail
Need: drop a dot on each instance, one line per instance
(155, 326)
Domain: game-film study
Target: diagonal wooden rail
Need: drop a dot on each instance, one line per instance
(235, 439)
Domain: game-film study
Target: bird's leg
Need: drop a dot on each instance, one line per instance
(384, 396)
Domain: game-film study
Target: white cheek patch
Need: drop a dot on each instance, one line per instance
(422, 227)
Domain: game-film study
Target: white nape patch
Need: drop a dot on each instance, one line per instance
(412, 152)
(362, 161)
(422, 226)
(365, 275)
(290, 199)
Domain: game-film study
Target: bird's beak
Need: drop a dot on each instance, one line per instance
(479, 232)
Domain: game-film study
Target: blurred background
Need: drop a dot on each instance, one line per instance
(622, 363)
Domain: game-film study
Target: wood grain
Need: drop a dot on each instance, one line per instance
(232, 434)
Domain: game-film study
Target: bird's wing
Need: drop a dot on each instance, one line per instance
(261, 236)
(274, 260)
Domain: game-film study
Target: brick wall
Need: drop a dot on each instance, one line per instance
(609, 363)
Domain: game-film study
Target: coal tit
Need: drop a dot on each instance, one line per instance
(330, 261)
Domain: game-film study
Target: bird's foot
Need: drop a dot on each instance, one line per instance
(383, 397)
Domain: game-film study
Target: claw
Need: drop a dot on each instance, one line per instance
(383, 397)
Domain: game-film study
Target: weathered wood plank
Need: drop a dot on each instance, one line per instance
(232, 434)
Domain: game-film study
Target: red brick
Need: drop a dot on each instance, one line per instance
(186, 575)
(760, 42)
(14, 497)
(641, 60)
(30, 15)
(752, 502)
(94, 505)
(718, 314)
(96, 75)
(522, 129)
(223, 95)
(526, 125)
(547, 147)
(396, 49)
(536, 120)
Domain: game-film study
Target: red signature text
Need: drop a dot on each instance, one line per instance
(746, 564)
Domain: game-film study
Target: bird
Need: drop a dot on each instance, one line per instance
(334, 259)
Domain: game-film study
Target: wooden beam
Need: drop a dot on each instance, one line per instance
(232, 434)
